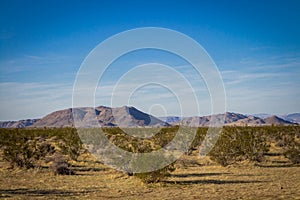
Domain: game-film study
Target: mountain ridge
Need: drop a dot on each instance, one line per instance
(129, 116)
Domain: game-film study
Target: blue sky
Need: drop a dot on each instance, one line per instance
(255, 45)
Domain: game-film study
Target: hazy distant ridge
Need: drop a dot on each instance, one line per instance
(232, 119)
(18, 124)
(127, 116)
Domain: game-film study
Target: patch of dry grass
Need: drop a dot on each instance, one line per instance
(193, 181)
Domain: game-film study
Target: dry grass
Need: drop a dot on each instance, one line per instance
(194, 179)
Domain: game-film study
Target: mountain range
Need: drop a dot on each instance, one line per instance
(231, 119)
(128, 116)
(294, 117)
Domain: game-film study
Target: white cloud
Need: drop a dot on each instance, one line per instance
(32, 100)
(270, 86)
(231, 77)
(264, 87)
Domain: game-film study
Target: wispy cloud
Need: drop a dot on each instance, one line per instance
(32, 100)
(270, 85)
(237, 77)
(264, 87)
(145, 87)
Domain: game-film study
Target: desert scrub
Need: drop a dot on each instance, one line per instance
(197, 141)
(153, 167)
(292, 148)
(71, 144)
(144, 145)
(293, 154)
(157, 175)
(287, 138)
(60, 165)
(24, 150)
(26, 147)
(239, 143)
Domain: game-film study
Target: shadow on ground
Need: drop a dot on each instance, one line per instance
(276, 165)
(5, 193)
(197, 175)
(212, 181)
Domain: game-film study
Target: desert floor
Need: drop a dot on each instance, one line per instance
(193, 179)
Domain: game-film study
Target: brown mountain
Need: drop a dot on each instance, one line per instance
(277, 121)
(233, 119)
(61, 118)
(227, 118)
(293, 117)
(131, 117)
(104, 116)
(249, 121)
(18, 124)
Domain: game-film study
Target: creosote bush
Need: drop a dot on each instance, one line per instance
(60, 165)
(293, 154)
(292, 148)
(157, 175)
(238, 144)
(140, 145)
(287, 138)
(24, 148)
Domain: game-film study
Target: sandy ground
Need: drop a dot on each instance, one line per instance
(271, 180)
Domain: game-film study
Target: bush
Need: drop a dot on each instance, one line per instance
(24, 150)
(239, 143)
(292, 149)
(70, 143)
(293, 154)
(25, 147)
(287, 137)
(199, 138)
(155, 176)
(60, 165)
(139, 145)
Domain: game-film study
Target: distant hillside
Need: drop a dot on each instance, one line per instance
(18, 124)
(171, 119)
(229, 119)
(262, 115)
(131, 117)
(61, 118)
(233, 119)
(104, 116)
(249, 121)
(277, 120)
(294, 117)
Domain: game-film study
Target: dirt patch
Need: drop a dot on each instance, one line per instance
(95, 181)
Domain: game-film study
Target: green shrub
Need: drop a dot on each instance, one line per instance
(292, 148)
(140, 145)
(155, 176)
(24, 150)
(60, 165)
(239, 143)
(71, 144)
(25, 147)
(287, 138)
(293, 154)
(199, 138)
